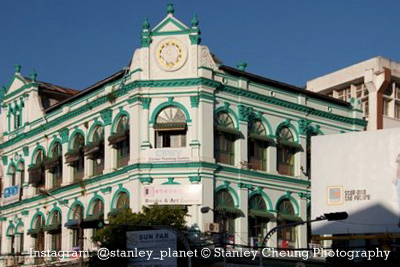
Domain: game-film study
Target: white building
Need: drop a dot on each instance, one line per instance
(176, 118)
(374, 84)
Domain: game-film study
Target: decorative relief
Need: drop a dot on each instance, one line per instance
(206, 59)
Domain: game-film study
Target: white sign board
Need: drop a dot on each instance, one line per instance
(173, 194)
(164, 155)
(358, 173)
(153, 241)
(11, 194)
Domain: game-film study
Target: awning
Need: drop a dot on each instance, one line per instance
(72, 224)
(262, 138)
(51, 162)
(118, 137)
(171, 126)
(261, 213)
(288, 217)
(228, 130)
(72, 156)
(230, 210)
(93, 149)
(34, 232)
(290, 144)
(54, 228)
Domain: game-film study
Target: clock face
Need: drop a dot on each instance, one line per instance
(170, 55)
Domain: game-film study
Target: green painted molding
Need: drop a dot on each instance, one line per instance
(3, 219)
(244, 185)
(304, 195)
(106, 116)
(5, 160)
(245, 113)
(177, 83)
(194, 101)
(64, 133)
(195, 179)
(25, 150)
(170, 182)
(146, 180)
(106, 190)
(145, 102)
(19, 90)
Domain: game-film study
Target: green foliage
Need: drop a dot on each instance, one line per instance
(114, 235)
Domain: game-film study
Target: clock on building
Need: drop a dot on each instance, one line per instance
(171, 55)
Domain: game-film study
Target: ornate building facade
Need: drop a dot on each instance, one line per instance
(176, 127)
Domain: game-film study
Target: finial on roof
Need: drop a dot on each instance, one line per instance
(195, 21)
(241, 65)
(146, 24)
(17, 68)
(33, 76)
(170, 9)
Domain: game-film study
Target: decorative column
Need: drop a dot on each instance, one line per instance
(208, 200)
(244, 115)
(206, 130)
(66, 236)
(242, 235)
(66, 170)
(305, 129)
(195, 144)
(145, 123)
(194, 210)
(134, 132)
(109, 160)
(302, 229)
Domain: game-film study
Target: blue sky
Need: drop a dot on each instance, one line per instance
(76, 43)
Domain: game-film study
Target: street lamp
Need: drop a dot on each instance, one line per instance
(334, 216)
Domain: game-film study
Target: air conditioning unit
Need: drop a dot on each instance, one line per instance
(211, 227)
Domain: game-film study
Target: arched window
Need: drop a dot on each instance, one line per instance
(286, 215)
(54, 230)
(224, 138)
(258, 217)
(122, 201)
(37, 171)
(257, 145)
(96, 212)
(120, 141)
(76, 158)
(286, 148)
(95, 151)
(225, 211)
(13, 175)
(20, 233)
(54, 164)
(11, 239)
(73, 224)
(38, 234)
(170, 128)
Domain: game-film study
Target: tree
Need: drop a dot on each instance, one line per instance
(113, 235)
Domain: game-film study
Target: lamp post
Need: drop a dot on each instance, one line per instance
(80, 233)
(335, 216)
(222, 231)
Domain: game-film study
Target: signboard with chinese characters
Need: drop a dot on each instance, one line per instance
(11, 194)
(358, 173)
(173, 194)
(165, 155)
(152, 242)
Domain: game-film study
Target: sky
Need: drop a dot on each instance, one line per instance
(76, 43)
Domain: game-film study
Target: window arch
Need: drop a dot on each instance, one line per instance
(122, 201)
(54, 229)
(19, 231)
(75, 216)
(286, 214)
(120, 141)
(37, 233)
(13, 175)
(76, 157)
(286, 150)
(54, 164)
(225, 211)
(37, 170)
(170, 128)
(257, 145)
(96, 211)
(258, 217)
(11, 238)
(95, 150)
(224, 138)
